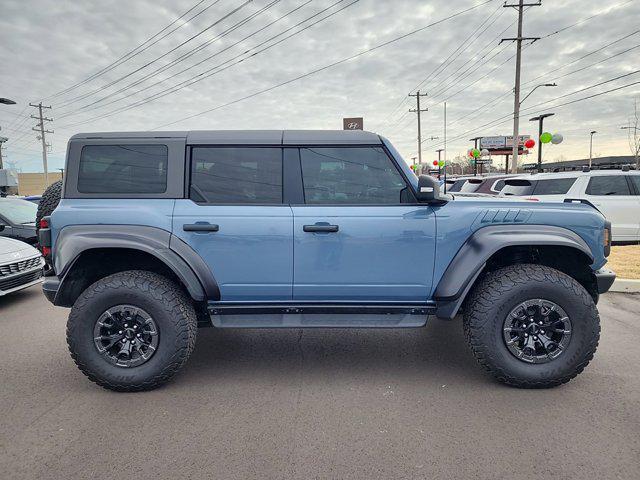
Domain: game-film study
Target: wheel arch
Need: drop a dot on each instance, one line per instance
(84, 254)
(497, 246)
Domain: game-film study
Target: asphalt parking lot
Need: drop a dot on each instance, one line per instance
(316, 404)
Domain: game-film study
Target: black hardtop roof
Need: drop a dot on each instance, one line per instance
(249, 137)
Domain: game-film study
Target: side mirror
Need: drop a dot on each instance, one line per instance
(429, 191)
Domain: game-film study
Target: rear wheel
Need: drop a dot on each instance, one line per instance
(131, 331)
(531, 326)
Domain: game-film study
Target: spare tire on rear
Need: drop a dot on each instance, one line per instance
(48, 203)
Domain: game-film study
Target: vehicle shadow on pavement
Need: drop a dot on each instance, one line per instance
(437, 350)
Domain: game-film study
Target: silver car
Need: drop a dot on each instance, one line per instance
(20, 265)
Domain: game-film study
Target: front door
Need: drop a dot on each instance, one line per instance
(236, 221)
(359, 237)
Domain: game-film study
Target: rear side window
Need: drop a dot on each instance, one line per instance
(608, 185)
(236, 175)
(356, 175)
(556, 186)
(136, 169)
(635, 179)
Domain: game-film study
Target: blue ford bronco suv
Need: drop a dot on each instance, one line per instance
(159, 233)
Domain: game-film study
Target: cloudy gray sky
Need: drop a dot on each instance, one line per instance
(54, 46)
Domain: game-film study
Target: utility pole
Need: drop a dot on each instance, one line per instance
(40, 128)
(445, 147)
(418, 111)
(591, 148)
(540, 120)
(516, 101)
(439, 151)
(475, 161)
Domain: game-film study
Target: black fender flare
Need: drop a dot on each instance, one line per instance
(471, 259)
(188, 266)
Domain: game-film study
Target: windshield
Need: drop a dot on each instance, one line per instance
(18, 211)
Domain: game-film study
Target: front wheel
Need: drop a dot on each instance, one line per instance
(131, 331)
(531, 326)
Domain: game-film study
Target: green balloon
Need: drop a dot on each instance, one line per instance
(545, 137)
(476, 153)
(441, 163)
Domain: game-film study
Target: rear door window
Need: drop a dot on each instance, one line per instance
(111, 169)
(236, 175)
(615, 185)
(554, 186)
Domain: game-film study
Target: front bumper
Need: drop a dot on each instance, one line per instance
(18, 281)
(604, 279)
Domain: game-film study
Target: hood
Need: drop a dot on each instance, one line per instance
(14, 250)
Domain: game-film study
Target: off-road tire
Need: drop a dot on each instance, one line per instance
(49, 201)
(165, 302)
(502, 290)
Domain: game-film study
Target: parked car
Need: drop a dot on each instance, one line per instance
(491, 184)
(18, 219)
(614, 192)
(20, 265)
(34, 198)
(455, 184)
(159, 232)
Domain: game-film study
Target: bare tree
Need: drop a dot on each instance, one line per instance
(633, 131)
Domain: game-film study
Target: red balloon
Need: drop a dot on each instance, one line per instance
(530, 143)
(435, 163)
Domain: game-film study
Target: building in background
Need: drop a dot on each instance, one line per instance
(34, 184)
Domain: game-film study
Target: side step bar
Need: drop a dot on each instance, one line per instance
(320, 308)
(319, 315)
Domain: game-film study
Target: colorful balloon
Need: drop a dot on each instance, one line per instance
(545, 137)
(484, 152)
(530, 143)
(435, 163)
(441, 163)
(475, 153)
(557, 138)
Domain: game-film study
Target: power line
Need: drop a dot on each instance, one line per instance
(331, 65)
(504, 118)
(172, 88)
(138, 50)
(168, 52)
(205, 74)
(183, 58)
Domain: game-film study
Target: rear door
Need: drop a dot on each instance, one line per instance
(612, 195)
(359, 236)
(236, 220)
(635, 183)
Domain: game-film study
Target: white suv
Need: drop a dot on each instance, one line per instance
(614, 192)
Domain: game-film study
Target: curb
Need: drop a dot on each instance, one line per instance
(625, 286)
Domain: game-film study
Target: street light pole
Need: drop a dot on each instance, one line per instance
(4, 101)
(540, 120)
(591, 148)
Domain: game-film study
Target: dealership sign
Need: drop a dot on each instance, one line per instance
(502, 142)
(353, 123)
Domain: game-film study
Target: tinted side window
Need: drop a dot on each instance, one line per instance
(123, 169)
(518, 187)
(608, 185)
(635, 179)
(499, 185)
(557, 186)
(242, 175)
(357, 175)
